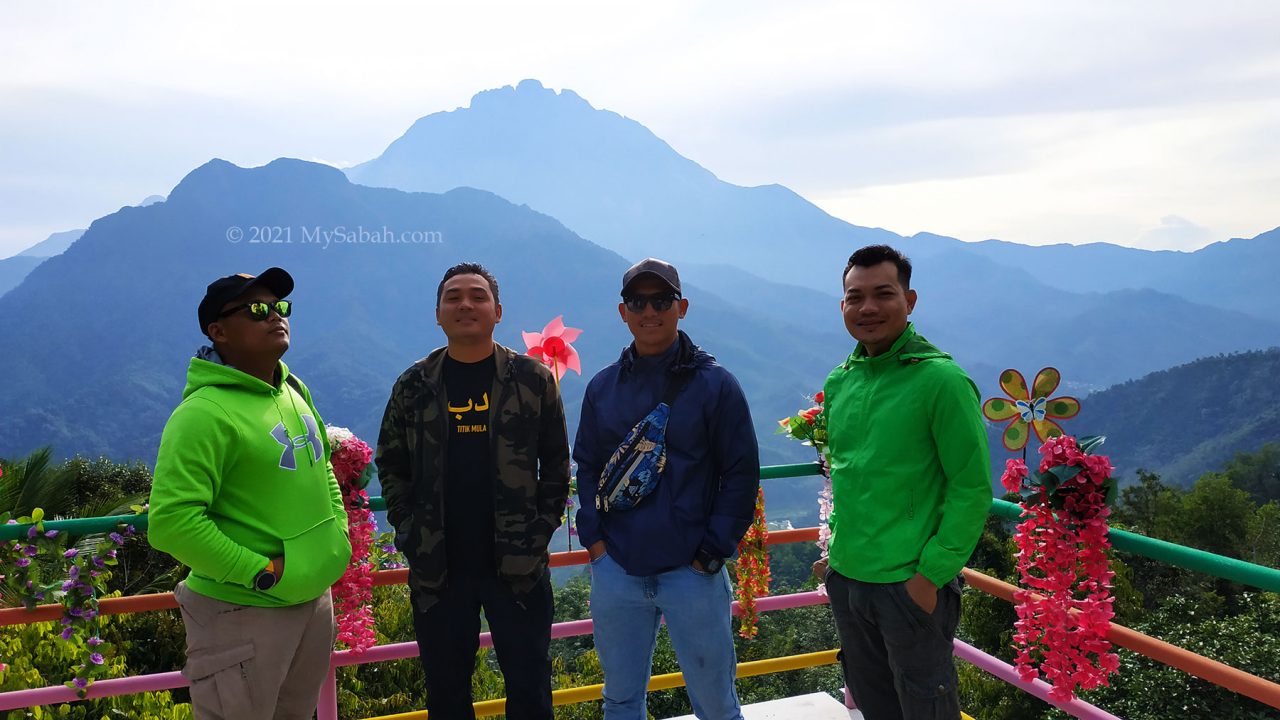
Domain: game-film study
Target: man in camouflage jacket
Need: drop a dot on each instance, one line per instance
(473, 458)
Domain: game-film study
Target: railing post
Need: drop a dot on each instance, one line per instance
(327, 709)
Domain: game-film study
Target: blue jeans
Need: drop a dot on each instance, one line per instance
(626, 612)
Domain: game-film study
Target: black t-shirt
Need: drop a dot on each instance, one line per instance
(469, 473)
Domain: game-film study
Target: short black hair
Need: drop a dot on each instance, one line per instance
(873, 255)
(468, 268)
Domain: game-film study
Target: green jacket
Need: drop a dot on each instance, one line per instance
(242, 476)
(910, 467)
(530, 453)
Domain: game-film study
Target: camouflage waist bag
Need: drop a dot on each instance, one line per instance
(634, 469)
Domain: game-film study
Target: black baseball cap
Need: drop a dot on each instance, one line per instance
(225, 289)
(664, 271)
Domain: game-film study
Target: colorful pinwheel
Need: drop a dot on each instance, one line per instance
(1032, 408)
(552, 346)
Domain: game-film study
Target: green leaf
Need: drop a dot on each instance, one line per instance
(1110, 488)
(1091, 442)
(37, 515)
(1065, 472)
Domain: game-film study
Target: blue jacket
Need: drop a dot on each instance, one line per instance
(706, 497)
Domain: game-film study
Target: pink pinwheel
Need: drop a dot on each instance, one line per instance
(552, 346)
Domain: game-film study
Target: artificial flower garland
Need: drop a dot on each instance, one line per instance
(752, 569)
(1064, 612)
(810, 427)
(87, 574)
(353, 593)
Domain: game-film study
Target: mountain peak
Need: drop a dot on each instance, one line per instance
(527, 93)
(219, 174)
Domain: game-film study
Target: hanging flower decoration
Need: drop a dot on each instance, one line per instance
(353, 593)
(810, 427)
(1031, 408)
(567, 519)
(553, 346)
(752, 569)
(87, 568)
(1065, 608)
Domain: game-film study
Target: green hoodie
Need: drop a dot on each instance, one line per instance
(910, 467)
(242, 476)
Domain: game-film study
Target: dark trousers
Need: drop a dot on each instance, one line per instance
(448, 638)
(897, 658)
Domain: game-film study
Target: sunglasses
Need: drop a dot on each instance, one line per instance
(661, 302)
(260, 311)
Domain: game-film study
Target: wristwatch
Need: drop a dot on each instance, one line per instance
(709, 561)
(266, 578)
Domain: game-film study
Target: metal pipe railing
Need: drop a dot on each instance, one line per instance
(1197, 560)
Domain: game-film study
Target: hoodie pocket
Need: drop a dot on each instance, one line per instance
(313, 561)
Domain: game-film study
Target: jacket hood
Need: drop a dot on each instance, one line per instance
(203, 373)
(910, 347)
(688, 355)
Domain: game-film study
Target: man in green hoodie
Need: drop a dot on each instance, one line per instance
(911, 476)
(243, 487)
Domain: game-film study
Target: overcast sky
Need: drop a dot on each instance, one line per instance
(1151, 124)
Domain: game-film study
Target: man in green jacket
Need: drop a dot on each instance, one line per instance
(911, 475)
(243, 486)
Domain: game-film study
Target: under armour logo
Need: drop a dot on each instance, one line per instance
(289, 444)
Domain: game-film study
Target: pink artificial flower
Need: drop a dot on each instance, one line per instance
(553, 347)
(1015, 471)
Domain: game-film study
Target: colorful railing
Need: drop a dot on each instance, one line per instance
(1212, 671)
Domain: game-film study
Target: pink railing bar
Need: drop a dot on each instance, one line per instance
(55, 694)
(1008, 673)
(328, 708)
(328, 705)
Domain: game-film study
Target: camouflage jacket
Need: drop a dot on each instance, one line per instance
(530, 450)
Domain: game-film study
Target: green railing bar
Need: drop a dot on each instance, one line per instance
(773, 472)
(78, 526)
(1169, 553)
(1245, 573)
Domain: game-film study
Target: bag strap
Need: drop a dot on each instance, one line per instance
(674, 386)
(294, 383)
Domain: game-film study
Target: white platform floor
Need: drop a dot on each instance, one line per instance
(818, 706)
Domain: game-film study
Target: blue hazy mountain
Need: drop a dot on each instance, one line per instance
(1102, 313)
(1096, 339)
(612, 181)
(55, 244)
(106, 328)
(1237, 274)
(617, 184)
(1188, 420)
(13, 270)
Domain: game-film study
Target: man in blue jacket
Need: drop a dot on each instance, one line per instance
(664, 557)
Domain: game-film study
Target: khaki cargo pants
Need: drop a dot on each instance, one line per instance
(251, 663)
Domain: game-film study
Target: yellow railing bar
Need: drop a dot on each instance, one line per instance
(587, 693)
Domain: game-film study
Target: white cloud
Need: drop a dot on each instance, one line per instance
(1176, 233)
(1036, 122)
